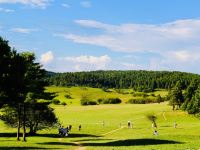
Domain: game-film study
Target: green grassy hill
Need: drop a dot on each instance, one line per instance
(105, 126)
(94, 94)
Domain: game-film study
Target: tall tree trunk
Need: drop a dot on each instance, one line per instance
(19, 123)
(24, 122)
(31, 129)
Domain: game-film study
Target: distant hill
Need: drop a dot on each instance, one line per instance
(50, 73)
(139, 80)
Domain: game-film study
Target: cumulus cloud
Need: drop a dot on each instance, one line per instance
(131, 66)
(23, 30)
(35, 3)
(6, 10)
(86, 4)
(172, 36)
(183, 56)
(85, 62)
(66, 5)
(47, 58)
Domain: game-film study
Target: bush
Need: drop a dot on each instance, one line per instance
(63, 103)
(68, 96)
(136, 101)
(88, 102)
(105, 89)
(99, 100)
(56, 101)
(159, 99)
(109, 101)
(142, 101)
(140, 94)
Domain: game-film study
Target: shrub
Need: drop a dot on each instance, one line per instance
(68, 96)
(110, 101)
(140, 94)
(88, 102)
(56, 101)
(136, 101)
(105, 89)
(159, 99)
(63, 103)
(147, 90)
(145, 95)
(142, 100)
(99, 100)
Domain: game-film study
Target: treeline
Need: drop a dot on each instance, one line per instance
(144, 81)
(189, 100)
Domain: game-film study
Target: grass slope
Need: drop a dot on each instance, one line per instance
(93, 93)
(105, 127)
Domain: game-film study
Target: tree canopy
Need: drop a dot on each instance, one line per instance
(145, 81)
(22, 85)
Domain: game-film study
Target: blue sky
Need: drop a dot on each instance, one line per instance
(83, 35)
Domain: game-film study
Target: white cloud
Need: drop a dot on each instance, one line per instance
(6, 10)
(184, 56)
(131, 66)
(169, 46)
(172, 36)
(23, 30)
(86, 4)
(47, 58)
(34, 3)
(66, 5)
(85, 62)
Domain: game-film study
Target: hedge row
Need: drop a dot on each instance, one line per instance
(109, 101)
(144, 100)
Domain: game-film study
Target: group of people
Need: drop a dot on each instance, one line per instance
(154, 126)
(65, 131)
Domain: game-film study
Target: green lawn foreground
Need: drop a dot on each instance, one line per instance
(105, 126)
(101, 129)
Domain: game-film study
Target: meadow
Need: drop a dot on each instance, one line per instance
(105, 126)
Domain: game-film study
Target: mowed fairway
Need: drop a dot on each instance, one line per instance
(105, 127)
(112, 136)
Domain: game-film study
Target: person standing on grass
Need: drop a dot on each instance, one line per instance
(154, 126)
(79, 127)
(155, 132)
(175, 125)
(70, 127)
(129, 124)
(103, 123)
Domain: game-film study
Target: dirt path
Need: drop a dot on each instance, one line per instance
(80, 146)
(113, 131)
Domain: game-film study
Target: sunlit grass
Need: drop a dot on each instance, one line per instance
(105, 126)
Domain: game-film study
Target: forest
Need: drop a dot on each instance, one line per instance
(143, 81)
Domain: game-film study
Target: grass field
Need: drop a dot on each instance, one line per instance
(105, 127)
(93, 93)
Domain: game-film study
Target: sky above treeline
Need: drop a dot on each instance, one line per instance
(85, 35)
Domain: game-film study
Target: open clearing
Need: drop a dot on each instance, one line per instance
(105, 127)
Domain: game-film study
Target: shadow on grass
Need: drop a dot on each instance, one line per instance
(58, 143)
(22, 148)
(92, 139)
(82, 135)
(69, 136)
(48, 135)
(133, 142)
(9, 134)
